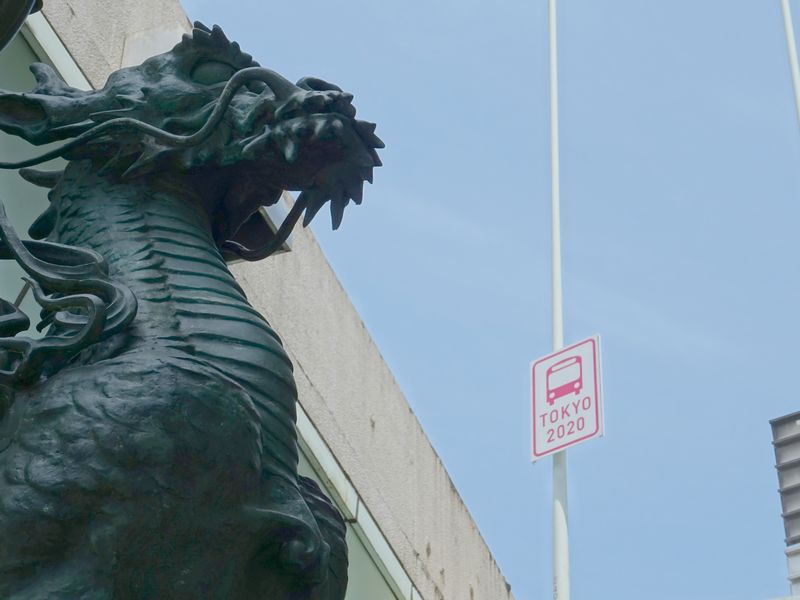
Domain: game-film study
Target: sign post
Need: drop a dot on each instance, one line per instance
(571, 423)
(567, 409)
(560, 531)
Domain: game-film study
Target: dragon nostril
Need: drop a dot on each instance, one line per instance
(301, 128)
(315, 102)
(289, 110)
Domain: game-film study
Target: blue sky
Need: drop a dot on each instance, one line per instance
(680, 187)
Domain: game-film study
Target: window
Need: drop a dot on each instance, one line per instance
(23, 201)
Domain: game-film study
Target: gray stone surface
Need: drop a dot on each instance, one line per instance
(96, 31)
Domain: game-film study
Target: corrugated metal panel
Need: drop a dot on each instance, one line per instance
(791, 523)
(786, 441)
(787, 449)
(790, 499)
(793, 563)
(789, 474)
(786, 426)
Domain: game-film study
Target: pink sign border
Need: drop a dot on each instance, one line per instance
(594, 341)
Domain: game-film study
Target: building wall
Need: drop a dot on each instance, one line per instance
(98, 33)
(353, 400)
(346, 389)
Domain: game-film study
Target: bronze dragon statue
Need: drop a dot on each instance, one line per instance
(147, 441)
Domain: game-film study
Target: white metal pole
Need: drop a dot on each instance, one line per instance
(560, 529)
(558, 321)
(787, 25)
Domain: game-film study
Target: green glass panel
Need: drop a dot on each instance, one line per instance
(365, 579)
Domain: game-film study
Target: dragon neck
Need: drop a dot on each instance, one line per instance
(156, 238)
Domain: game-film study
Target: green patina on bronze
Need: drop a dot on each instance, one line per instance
(12, 15)
(147, 442)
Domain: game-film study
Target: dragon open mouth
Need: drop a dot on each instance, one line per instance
(307, 131)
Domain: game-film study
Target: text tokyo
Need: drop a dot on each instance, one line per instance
(566, 420)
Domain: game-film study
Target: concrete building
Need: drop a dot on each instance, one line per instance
(409, 533)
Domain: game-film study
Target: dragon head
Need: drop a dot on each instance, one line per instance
(207, 109)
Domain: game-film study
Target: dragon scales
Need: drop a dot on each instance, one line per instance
(147, 441)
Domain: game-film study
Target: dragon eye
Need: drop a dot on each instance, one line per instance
(209, 72)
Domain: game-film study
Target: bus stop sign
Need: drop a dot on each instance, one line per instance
(566, 398)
